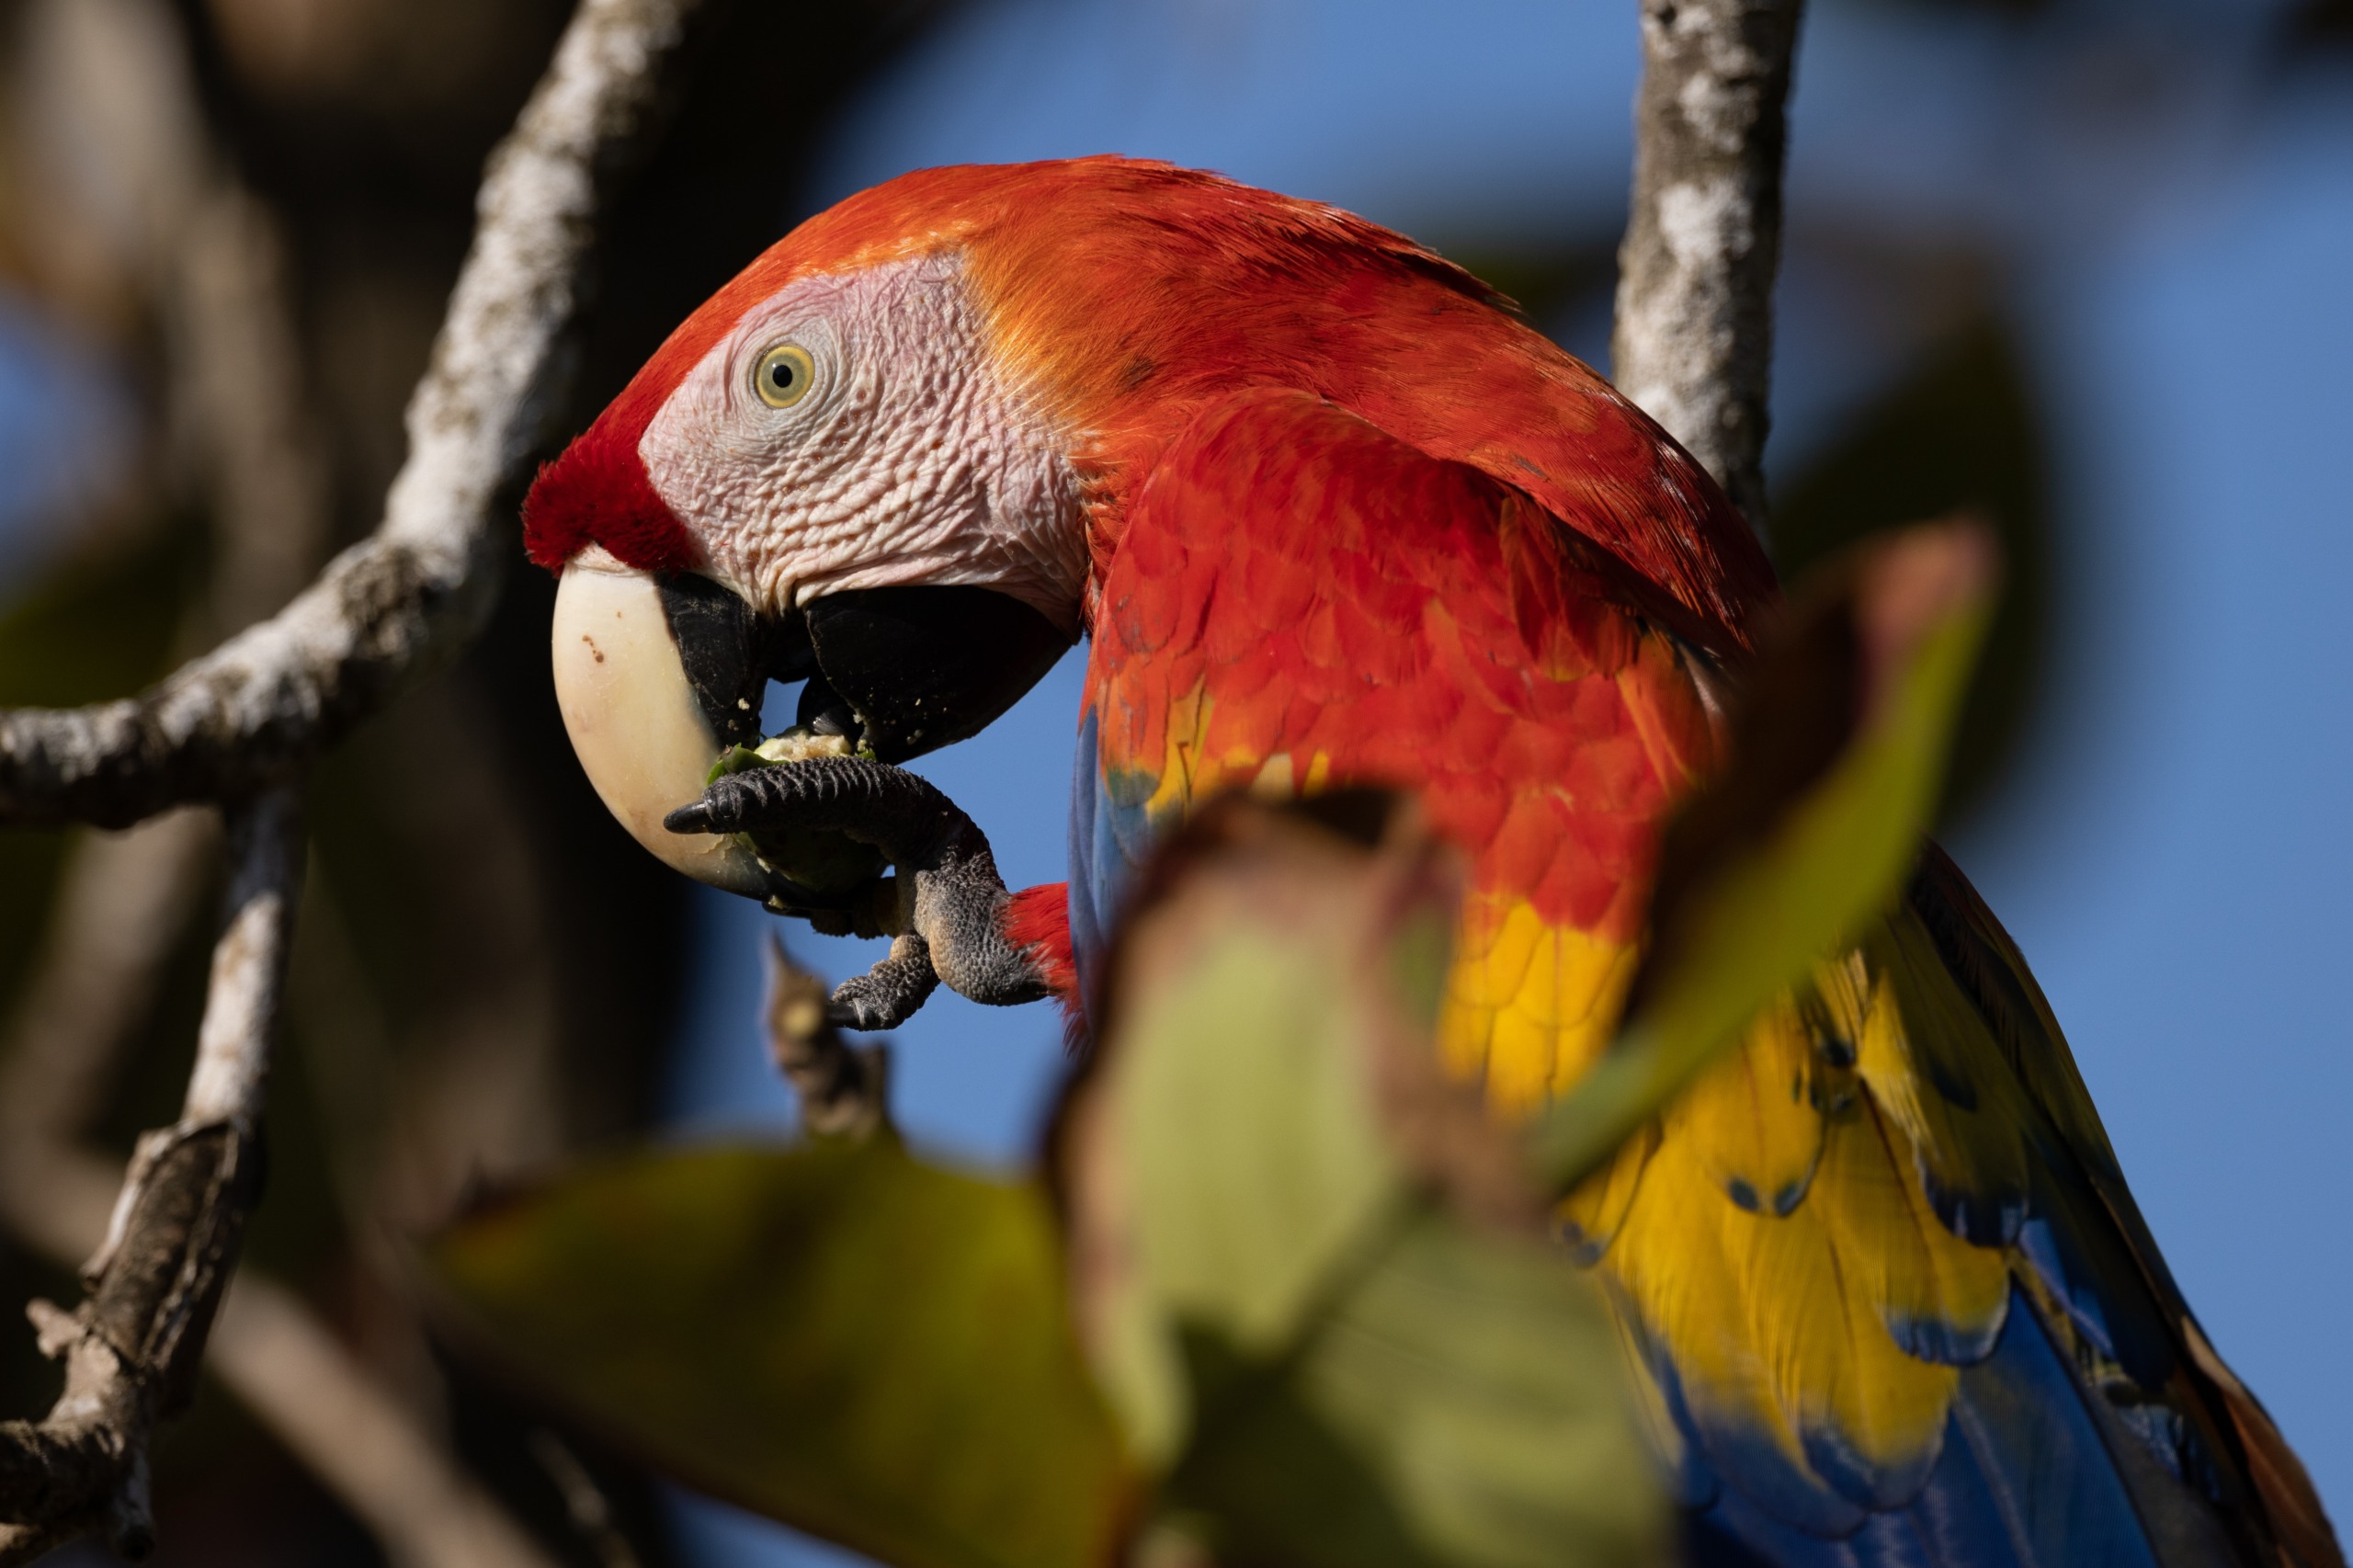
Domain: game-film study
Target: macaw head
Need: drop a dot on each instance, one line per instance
(891, 457)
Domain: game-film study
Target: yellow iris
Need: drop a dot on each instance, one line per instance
(784, 375)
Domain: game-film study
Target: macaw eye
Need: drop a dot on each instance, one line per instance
(784, 375)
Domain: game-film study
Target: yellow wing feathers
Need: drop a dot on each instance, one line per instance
(1773, 1230)
(1531, 1005)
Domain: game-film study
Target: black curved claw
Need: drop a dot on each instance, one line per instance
(952, 897)
(899, 812)
(888, 995)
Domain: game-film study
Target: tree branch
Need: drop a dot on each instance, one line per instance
(842, 1089)
(1694, 339)
(246, 715)
(117, 914)
(132, 1348)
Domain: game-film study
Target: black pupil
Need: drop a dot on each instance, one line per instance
(780, 375)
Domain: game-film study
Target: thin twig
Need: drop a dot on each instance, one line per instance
(1694, 340)
(285, 1366)
(843, 1090)
(583, 1500)
(248, 713)
(131, 1349)
(207, 254)
(247, 716)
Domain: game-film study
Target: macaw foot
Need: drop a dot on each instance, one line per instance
(949, 915)
(888, 995)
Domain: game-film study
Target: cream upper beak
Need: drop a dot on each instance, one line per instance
(633, 718)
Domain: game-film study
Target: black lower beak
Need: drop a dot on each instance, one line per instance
(904, 671)
(897, 672)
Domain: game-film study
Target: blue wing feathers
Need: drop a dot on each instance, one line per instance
(2025, 1479)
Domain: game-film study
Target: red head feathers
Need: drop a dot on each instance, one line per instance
(1115, 297)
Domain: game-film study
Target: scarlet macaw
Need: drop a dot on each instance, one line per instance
(1331, 511)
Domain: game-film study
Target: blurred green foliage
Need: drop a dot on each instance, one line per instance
(1542, 283)
(1960, 432)
(870, 1347)
(1837, 759)
(1309, 1273)
(1337, 1341)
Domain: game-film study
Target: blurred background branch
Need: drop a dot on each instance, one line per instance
(258, 207)
(841, 1089)
(116, 922)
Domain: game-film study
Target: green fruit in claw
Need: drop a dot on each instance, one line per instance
(827, 864)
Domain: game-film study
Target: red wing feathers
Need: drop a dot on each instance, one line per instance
(1295, 584)
(1881, 1250)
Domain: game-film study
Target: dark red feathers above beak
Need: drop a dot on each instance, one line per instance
(598, 493)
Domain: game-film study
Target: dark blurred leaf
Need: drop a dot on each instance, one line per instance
(2329, 23)
(1999, 8)
(1541, 282)
(100, 627)
(867, 1347)
(1960, 433)
(1837, 757)
(1327, 1363)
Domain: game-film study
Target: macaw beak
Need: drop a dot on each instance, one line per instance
(914, 669)
(656, 676)
(659, 673)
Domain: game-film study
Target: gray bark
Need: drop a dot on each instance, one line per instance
(250, 712)
(1694, 339)
(132, 1347)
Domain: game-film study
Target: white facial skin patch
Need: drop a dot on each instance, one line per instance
(909, 459)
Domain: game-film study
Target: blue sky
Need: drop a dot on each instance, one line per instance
(63, 423)
(2175, 229)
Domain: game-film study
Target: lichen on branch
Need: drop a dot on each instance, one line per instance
(1694, 339)
(132, 1348)
(253, 710)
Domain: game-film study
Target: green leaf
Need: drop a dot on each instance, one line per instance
(1462, 1404)
(867, 1347)
(1313, 1278)
(1839, 756)
(1243, 1123)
